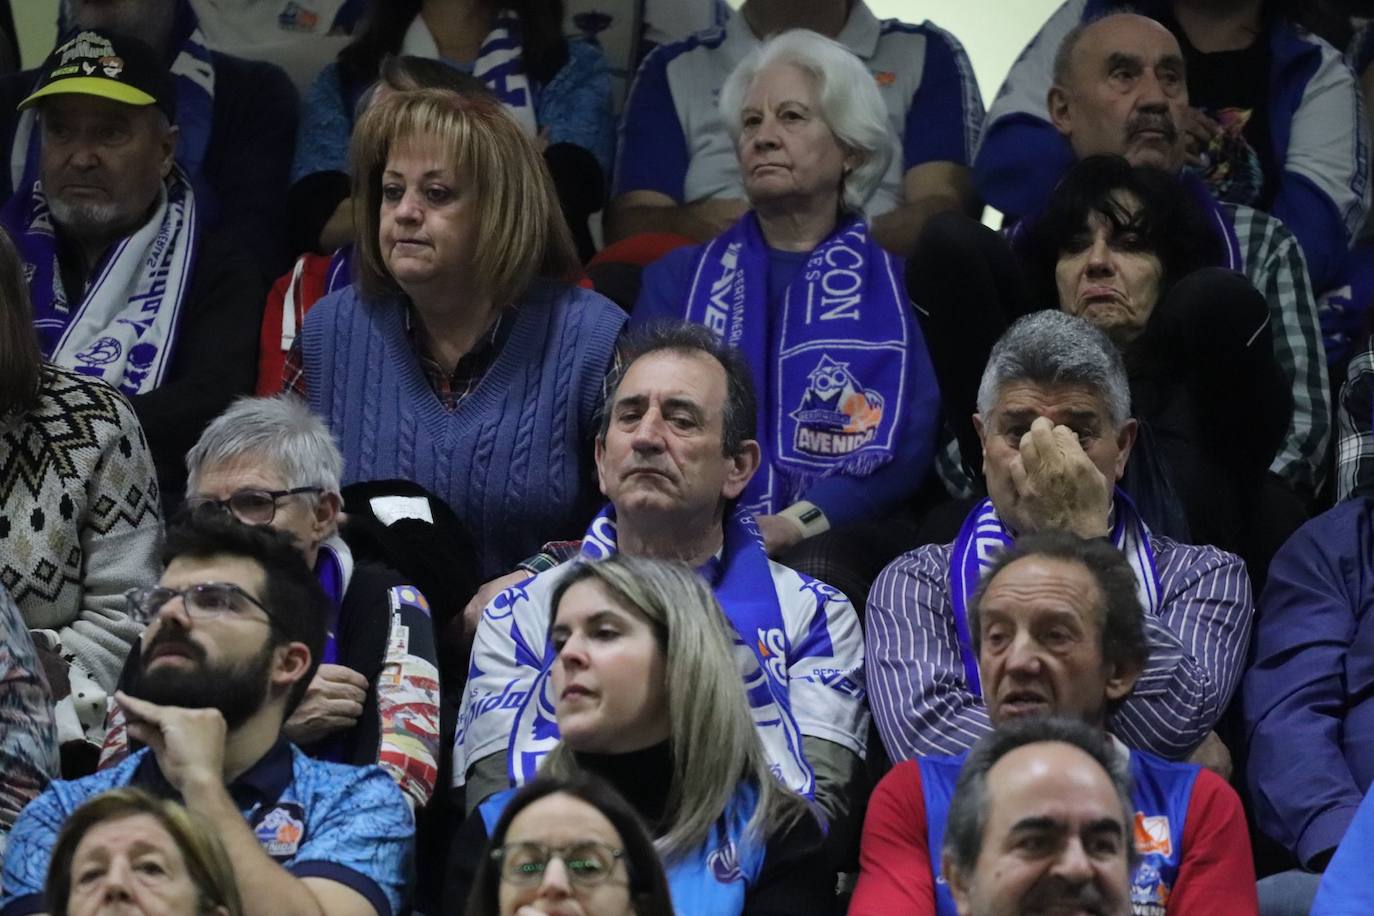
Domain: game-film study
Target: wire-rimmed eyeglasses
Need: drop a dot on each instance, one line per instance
(204, 600)
(587, 863)
(252, 507)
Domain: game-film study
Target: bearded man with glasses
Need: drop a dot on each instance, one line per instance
(375, 695)
(234, 632)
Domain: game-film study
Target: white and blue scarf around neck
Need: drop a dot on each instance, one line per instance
(193, 72)
(123, 328)
(983, 536)
(830, 366)
(500, 63)
(743, 584)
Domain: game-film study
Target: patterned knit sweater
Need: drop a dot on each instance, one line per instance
(514, 459)
(79, 522)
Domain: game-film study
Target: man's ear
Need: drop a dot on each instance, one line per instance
(167, 149)
(326, 518)
(600, 454)
(1061, 113)
(742, 469)
(292, 664)
(1125, 440)
(958, 886)
(1121, 678)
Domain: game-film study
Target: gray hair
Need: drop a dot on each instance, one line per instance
(1051, 347)
(713, 739)
(850, 103)
(968, 810)
(281, 431)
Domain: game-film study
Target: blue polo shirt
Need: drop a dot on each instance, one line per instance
(316, 819)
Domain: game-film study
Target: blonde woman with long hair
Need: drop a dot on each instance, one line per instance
(648, 697)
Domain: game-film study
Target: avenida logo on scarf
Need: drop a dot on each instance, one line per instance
(837, 415)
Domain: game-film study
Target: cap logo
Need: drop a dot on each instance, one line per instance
(88, 45)
(113, 66)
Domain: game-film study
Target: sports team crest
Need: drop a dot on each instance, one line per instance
(837, 415)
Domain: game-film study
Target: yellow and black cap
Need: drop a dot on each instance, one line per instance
(108, 65)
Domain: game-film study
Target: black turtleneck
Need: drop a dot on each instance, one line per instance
(643, 777)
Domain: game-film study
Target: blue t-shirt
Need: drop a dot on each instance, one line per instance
(315, 819)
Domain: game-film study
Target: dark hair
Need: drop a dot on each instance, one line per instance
(648, 885)
(968, 809)
(292, 595)
(739, 420)
(1171, 223)
(206, 862)
(386, 21)
(404, 72)
(21, 366)
(1123, 620)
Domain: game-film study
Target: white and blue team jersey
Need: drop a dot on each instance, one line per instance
(317, 820)
(815, 651)
(673, 139)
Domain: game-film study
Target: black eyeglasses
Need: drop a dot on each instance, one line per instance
(588, 863)
(252, 507)
(204, 600)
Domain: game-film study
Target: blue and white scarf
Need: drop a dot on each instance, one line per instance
(500, 63)
(743, 584)
(983, 536)
(830, 367)
(194, 75)
(123, 328)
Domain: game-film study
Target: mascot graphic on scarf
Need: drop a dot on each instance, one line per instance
(837, 414)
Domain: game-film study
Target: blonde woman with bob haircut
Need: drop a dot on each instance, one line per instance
(127, 850)
(462, 358)
(648, 697)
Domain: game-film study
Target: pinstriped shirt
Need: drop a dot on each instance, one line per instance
(921, 700)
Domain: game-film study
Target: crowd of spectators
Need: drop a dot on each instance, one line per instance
(457, 459)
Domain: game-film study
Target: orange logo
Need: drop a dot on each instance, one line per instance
(885, 78)
(1152, 835)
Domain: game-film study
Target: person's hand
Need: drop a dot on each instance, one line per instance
(188, 743)
(472, 611)
(1057, 485)
(720, 213)
(1213, 755)
(1198, 132)
(333, 701)
(779, 533)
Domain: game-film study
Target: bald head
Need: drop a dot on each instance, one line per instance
(1120, 89)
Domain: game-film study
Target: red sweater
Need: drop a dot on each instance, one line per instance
(1217, 874)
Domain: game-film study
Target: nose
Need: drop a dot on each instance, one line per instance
(115, 883)
(83, 155)
(173, 612)
(1073, 865)
(408, 209)
(766, 133)
(573, 656)
(1100, 260)
(555, 884)
(648, 432)
(1023, 657)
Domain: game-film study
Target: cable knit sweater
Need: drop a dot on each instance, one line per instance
(79, 522)
(514, 459)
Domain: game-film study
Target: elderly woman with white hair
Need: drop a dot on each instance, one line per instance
(375, 697)
(848, 403)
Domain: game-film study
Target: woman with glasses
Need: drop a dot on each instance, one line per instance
(648, 697)
(570, 838)
(79, 515)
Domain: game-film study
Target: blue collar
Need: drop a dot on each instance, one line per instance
(262, 783)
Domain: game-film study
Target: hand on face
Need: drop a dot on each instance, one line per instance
(1057, 485)
(188, 743)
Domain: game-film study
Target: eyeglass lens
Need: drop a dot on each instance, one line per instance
(586, 863)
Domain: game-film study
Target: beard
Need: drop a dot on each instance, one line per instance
(237, 690)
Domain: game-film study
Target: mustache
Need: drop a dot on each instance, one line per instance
(170, 637)
(1058, 892)
(1160, 121)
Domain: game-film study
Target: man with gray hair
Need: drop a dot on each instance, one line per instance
(1054, 421)
(375, 697)
(1058, 630)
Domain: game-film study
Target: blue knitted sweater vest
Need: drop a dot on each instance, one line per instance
(514, 460)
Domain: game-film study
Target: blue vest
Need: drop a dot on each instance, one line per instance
(1160, 789)
(712, 879)
(513, 461)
